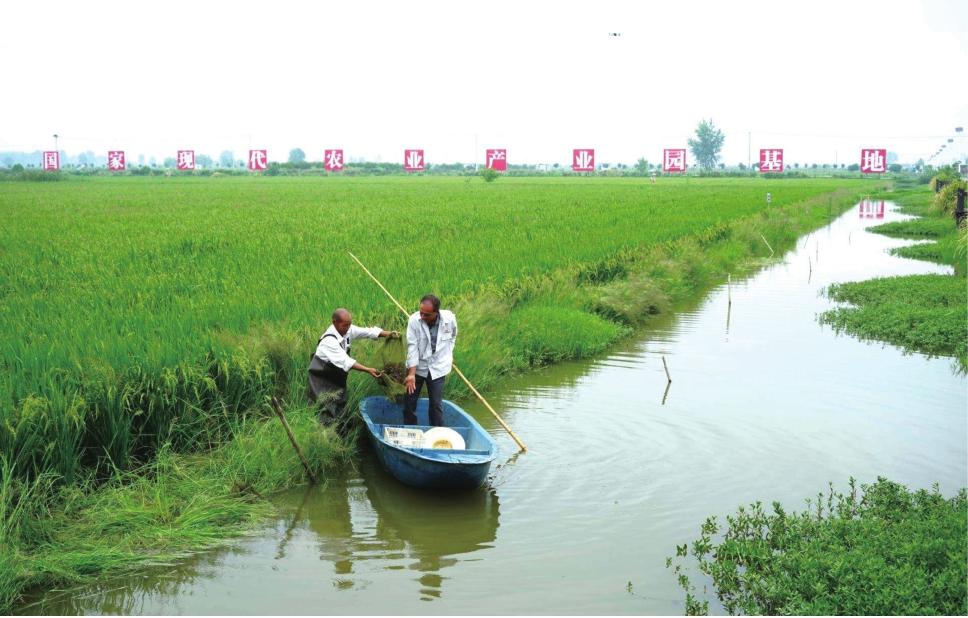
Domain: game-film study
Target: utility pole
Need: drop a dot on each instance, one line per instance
(749, 149)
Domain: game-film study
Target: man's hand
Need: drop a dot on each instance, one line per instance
(374, 372)
(411, 383)
(394, 334)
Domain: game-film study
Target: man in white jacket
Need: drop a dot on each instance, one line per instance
(331, 364)
(431, 335)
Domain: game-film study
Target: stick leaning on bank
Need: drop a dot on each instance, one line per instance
(459, 372)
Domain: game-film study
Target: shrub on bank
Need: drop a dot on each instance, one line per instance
(946, 199)
(884, 550)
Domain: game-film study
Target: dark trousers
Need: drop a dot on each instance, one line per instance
(435, 390)
(330, 402)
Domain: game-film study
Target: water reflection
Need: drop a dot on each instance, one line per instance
(372, 521)
(871, 209)
(365, 527)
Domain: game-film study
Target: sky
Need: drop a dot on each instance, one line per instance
(819, 79)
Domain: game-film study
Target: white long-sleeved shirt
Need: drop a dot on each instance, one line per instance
(334, 349)
(419, 350)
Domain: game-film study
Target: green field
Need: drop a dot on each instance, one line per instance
(138, 312)
(146, 321)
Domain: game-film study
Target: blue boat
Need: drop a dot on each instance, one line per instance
(429, 468)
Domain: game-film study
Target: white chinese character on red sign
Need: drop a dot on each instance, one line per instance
(873, 160)
(258, 160)
(51, 160)
(497, 159)
(116, 160)
(413, 160)
(333, 160)
(674, 160)
(186, 159)
(583, 160)
(771, 159)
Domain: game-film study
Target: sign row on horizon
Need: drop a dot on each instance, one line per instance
(872, 160)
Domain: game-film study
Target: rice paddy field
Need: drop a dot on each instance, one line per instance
(142, 312)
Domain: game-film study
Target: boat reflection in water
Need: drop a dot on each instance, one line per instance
(362, 534)
(375, 523)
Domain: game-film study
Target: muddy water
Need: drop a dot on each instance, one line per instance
(765, 404)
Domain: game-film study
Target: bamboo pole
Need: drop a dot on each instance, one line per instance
(767, 244)
(668, 377)
(282, 418)
(459, 372)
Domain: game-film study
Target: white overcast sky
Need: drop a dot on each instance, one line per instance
(819, 79)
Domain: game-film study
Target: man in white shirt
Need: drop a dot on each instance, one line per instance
(431, 335)
(330, 365)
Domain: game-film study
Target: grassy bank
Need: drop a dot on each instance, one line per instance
(52, 534)
(142, 338)
(881, 550)
(920, 313)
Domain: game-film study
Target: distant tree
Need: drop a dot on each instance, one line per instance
(709, 141)
(642, 166)
(814, 166)
(203, 161)
(296, 155)
(169, 162)
(894, 167)
(741, 166)
(853, 167)
(226, 159)
(489, 174)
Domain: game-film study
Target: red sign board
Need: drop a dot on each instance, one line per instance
(116, 160)
(873, 160)
(413, 161)
(771, 159)
(186, 159)
(258, 160)
(51, 160)
(583, 160)
(674, 160)
(497, 159)
(333, 160)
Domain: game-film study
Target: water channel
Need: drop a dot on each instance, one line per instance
(765, 404)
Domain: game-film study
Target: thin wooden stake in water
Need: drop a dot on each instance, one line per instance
(666, 369)
(282, 418)
(459, 372)
(729, 287)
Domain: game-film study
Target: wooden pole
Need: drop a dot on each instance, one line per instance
(282, 418)
(459, 372)
(666, 369)
(767, 244)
